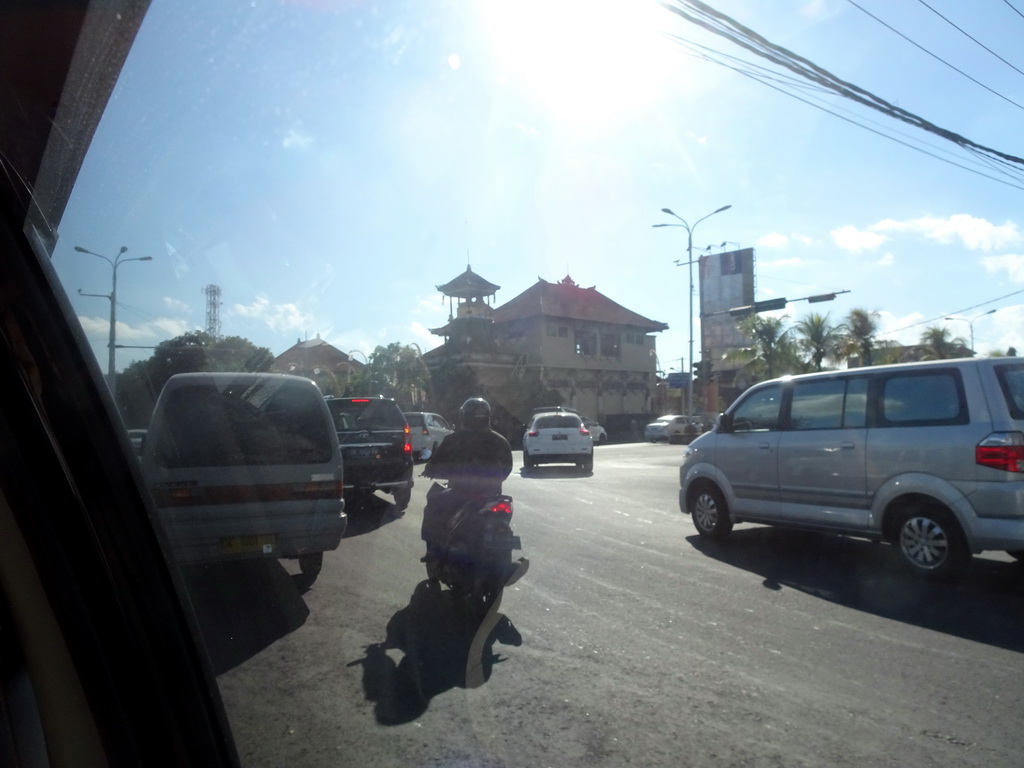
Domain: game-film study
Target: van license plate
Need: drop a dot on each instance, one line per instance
(260, 544)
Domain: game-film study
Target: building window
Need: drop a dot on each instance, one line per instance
(553, 330)
(610, 344)
(586, 343)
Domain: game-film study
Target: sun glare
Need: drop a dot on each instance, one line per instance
(587, 62)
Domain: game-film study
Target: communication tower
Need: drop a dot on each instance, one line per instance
(212, 311)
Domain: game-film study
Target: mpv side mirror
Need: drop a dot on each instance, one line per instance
(725, 422)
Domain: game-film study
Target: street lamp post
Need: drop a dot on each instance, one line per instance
(689, 262)
(112, 296)
(970, 324)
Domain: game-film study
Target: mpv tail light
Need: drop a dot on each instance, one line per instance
(1001, 450)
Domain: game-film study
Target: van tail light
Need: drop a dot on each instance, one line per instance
(407, 448)
(1002, 450)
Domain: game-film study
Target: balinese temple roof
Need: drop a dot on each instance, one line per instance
(468, 285)
(565, 299)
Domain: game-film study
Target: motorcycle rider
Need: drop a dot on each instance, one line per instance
(474, 459)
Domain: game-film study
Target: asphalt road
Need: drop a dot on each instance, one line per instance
(630, 642)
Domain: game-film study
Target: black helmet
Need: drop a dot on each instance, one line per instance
(475, 413)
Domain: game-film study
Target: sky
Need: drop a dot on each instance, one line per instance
(328, 163)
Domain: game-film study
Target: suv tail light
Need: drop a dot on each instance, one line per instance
(584, 430)
(407, 448)
(1001, 450)
(533, 432)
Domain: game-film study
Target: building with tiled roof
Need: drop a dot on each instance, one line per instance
(596, 355)
(315, 359)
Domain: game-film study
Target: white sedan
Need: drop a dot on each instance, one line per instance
(670, 428)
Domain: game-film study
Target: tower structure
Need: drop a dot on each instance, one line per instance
(212, 311)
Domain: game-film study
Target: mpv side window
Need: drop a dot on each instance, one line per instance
(1011, 379)
(922, 399)
(829, 404)
(759, 412)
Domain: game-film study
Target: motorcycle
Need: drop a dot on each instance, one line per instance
(474, 560)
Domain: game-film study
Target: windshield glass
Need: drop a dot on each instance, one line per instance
(203, 425)
(620, 208)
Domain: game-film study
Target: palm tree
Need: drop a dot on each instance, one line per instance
(772, 351)
(859, 331)
(938, 344)
(818, 338)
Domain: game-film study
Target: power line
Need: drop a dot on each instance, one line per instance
(708, 18)
(935, 56)
(1014, 9)
(780, 82)
(967, 35)
(956, 312)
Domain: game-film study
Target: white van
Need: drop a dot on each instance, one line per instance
(245, 465)
(927, 456)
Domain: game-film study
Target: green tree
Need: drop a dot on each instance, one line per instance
(818, 339)
(859, 333)
(140, 383)
(939, 345)
(772, 351)
(396, 371)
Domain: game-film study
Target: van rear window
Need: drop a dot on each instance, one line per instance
(262, 424)
(1011, 379)
(923, 399)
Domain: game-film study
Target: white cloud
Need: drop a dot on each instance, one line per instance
(773, 240)
(297, 137)
(174, 305)
(278, 317)
(975, 234)
(887, 260)
(1012, 265)
(792, 262)
(424, 337)
(849, 238)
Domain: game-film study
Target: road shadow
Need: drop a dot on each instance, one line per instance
(367, 514)
(986, 605)
(548, 471)
(434, 641)
(243, 607)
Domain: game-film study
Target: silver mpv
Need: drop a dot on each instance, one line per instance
(927, 456)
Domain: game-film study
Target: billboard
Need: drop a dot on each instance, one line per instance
(726, 281)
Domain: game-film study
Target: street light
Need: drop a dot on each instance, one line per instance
(112, 296)
(689, 262)
(970, 323)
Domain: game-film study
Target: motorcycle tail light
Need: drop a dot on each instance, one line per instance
(502, 508)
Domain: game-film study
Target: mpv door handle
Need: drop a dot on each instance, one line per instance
(847, 446)
(764, 446)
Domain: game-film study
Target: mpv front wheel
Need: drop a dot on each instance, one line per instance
(930, 542)
(710, 513)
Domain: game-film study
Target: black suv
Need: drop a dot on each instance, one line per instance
(375, 446)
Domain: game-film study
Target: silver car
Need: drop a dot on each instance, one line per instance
(927, 456)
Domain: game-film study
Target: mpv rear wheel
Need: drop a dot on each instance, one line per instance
(710, 513)
(930, 542)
